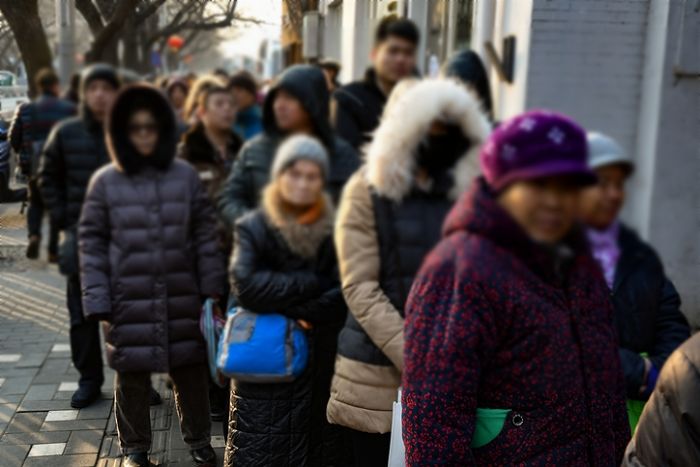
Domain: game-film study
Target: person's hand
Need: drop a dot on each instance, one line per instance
(216, 308)
(305, 325)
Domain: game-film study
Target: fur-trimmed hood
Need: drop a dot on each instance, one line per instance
(302, 239)
(121, 151)
(391, 156)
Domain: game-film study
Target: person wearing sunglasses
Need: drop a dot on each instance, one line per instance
(148, 259)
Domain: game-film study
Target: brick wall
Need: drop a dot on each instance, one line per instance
(586, 59)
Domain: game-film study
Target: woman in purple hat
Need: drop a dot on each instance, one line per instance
(510, 351)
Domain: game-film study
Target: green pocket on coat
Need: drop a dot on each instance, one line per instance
(634, 411)
(489, 424)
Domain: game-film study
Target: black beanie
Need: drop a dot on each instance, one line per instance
(103, 71)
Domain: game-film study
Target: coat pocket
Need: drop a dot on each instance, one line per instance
(501, 433)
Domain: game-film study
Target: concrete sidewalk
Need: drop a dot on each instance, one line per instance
(37, 425)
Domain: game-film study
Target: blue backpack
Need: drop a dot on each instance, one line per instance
(262, 348)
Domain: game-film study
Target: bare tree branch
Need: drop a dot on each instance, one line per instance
(91, 14)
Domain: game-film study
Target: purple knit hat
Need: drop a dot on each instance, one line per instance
(536, 144)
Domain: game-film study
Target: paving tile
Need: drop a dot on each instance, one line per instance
(40, 392)
(68, 386)
(61, 415)
(13, 456)
(218, 441)
(37, 437)
(43, 406)
(7, 411)
(60, 348)
(74, 425)
(31, 360)
(11, 399)
(16, 385)
(26, 422)
(10, 357)
(84, 442)
(77, 460)
(51, 449)
(100, 409)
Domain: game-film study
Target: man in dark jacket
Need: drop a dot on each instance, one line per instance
(649, 321)
(75, 149)
(29, 129)
(298, 103)
(356, 107)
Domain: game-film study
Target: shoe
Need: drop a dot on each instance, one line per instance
(155, 397)
(33, 247)
(53, 258)
(84, 396)
(137, 459)
(204, 456)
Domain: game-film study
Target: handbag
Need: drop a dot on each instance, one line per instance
(262, 348)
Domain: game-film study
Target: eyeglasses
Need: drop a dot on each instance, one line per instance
(143, 128)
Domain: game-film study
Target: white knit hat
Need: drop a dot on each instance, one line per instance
(300, 147)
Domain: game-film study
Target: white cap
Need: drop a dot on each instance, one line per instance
(603, 151)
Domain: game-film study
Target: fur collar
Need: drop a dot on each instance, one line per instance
(303, 240)
(391, 154)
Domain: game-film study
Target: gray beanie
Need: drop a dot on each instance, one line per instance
(296, 148)
(603, 150)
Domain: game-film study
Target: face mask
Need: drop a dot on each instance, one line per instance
(439, 153)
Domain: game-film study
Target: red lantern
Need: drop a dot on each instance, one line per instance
(176, 42)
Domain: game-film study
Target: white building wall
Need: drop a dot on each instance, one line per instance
(673, 209)
(331, 36)
(586, 60)
(512, 17)
(609, 64)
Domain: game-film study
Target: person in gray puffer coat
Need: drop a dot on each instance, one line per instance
(149, 257)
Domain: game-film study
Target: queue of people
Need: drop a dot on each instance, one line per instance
(480, 268)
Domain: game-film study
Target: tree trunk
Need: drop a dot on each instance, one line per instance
(23, 18)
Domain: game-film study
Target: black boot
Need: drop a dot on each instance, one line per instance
(33, 247)
(84, 396)
(204, 456)
(137, 459)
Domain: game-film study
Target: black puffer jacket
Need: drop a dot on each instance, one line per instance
(667, 434)
(74, 150)
(647, 310)
(357, 108)
(148, 251)
(251, 171)
(285, 424)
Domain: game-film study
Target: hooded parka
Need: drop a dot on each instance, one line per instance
(385, 226)
(251, 171)
(148, 251)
